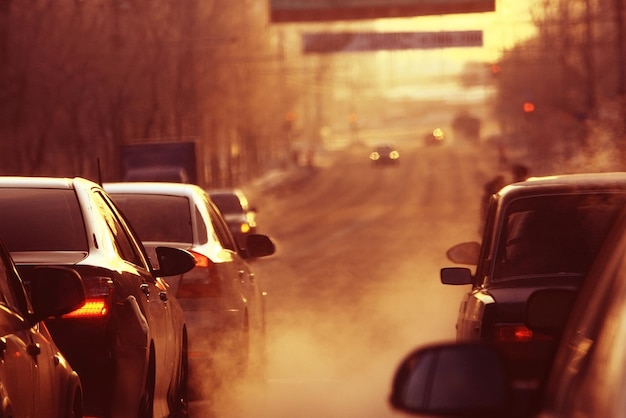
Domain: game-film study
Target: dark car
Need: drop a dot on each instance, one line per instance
(587, 377)
(540, 233)
(237, 211)
(128, 341)
(222, 299)
(36, 380)
(384, 155)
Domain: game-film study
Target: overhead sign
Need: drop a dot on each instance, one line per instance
(329, 42)
(328, 10)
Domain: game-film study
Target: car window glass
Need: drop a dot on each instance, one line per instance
(221, 228)
(201, 230)
(41, 220)
(158, 218)
(124, 243)
(5, 289)
(554, 234)
(602, 293)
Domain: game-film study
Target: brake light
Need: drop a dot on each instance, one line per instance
(99, 298)
(202, 281)
(91, 308)
(513, 332)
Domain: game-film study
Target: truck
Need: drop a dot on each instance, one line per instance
(169, 160)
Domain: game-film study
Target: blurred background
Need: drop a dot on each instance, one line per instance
(78, 79)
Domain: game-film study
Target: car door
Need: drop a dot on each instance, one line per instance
(243, 282)
(27, 361)
(477, 299)
(151, 293)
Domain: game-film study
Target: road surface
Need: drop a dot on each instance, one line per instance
(354, 285)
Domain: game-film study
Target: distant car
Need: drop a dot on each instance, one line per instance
(158, 173)
(237, 211)
(540, 233)
(384, 155)
(587, 377)
(221, 297)
(36, 380)
(128, 342)
(436, 137)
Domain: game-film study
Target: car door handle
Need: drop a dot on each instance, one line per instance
(145, 289)
(163, 296)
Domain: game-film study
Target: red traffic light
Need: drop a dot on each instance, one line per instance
(529, 107)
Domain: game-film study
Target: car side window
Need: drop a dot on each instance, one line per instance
(203, 234)
(125, 245)
(10, 287)
(221, 229)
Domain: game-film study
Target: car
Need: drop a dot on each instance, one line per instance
(586, 378)
(384, 155)
(128, 342)
(222, 298)
(237, 211)
(540, 233)
(36, 380)
(435, 137)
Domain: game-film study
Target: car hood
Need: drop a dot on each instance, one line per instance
(49, 257)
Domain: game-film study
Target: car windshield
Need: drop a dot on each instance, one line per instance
(168, 220)
(556, 234)
(41, 220)
(227, 203)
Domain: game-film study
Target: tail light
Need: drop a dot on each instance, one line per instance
(202, 281)
(98, 298)
(512, 333)
(244, 228)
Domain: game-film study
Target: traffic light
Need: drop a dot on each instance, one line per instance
(528, 107)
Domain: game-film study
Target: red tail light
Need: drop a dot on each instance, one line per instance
(202, 281)
(513, 332)
(99, 297)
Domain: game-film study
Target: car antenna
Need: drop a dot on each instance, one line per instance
(99, 172)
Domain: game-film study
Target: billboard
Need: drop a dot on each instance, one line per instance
(329, 10)
(329, 42)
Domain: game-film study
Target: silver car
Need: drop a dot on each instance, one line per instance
(221, 297)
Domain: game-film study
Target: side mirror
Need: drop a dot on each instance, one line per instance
(259, 245)
(455, 275)
(464, 253)
(173, 261)
(55, 291)
(452, 380)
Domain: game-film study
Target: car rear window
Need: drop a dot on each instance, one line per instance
(41, 220)
(159, 218)
(554, 234)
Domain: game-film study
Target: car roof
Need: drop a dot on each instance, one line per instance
(179, 189)
(565, 183)
(46, 182)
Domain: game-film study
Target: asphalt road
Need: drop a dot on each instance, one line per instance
(354, 285)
